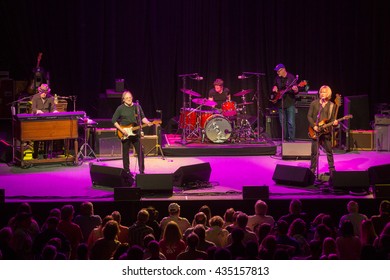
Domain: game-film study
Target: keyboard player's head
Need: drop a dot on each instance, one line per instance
(43, 90)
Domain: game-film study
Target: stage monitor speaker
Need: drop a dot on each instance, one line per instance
(351, 181)
(127, 194)
(379, 174)
(297, 150)
(109, 176)
(358, 106)
(255, 192)
(192, 173)
(293, 175)
(155, 184)
(301, 123)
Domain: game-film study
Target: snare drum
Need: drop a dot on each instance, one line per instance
(218, 129)
(187, 118)
(204, 115)
(229, 109)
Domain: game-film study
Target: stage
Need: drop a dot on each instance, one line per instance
(52, 185)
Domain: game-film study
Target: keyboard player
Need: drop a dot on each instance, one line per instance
(43, 102)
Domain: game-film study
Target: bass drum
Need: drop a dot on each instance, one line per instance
(218, 129)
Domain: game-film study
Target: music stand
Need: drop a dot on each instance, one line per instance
(86, 151)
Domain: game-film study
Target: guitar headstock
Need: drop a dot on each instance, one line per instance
(338, 100)
(302, 83)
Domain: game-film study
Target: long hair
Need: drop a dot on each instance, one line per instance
(172, 233)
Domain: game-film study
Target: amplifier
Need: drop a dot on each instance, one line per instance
(382, 119)
(361, 140)
(107, 143)
(304, 99)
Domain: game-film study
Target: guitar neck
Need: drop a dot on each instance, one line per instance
(331, 123)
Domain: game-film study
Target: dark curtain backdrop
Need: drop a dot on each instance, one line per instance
(86, 45)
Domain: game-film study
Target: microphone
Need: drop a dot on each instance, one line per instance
(158, 111)
(198, 78)
(55, 99)
(242, 77)
(296, 77)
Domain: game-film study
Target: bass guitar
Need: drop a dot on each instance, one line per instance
(337, 102)
(323, 125)
(131, 128)
(280, 93)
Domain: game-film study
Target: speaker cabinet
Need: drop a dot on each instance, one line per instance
(107, 143)
(192, 173)
(350, 181)
(127, 194)
(255, 192)
(382, 137)
(301, 123)
(296, 150)
(293, 175)
(358, 106)
(272, 127)
(109, 176)
(155, 184)
(379, 174)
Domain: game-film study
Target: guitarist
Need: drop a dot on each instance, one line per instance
(321, 110)
(285, 88)
(127, 114)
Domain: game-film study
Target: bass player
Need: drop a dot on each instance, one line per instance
(283, 96)
(126, 115)
(322, 110)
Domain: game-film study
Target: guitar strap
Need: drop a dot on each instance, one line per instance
(330, 111)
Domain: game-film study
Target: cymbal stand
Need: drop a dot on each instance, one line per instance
(257, 96)
(245, 130)
(186, 131)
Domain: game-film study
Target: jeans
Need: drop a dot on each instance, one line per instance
(126, 145)
(289, 122)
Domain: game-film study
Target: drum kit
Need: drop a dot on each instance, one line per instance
(230, 123)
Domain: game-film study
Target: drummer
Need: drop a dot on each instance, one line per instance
(219, 93)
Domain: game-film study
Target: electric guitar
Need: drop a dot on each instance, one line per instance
(37, 71)
(131, 128)
(323, 125)
(280, 93)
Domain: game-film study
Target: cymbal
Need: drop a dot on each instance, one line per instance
(204, 101)
(190, 92)
(243, 92)
(245, 103)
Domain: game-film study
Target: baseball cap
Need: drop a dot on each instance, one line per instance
(279, 66)
(173, 207)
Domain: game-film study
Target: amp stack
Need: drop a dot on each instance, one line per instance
(302, 104)
(382, 132)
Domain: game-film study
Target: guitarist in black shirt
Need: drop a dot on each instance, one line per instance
(126, 117)
(321, 111)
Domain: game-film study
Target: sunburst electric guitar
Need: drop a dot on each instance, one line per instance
(280, 93)
(323, 127)
(131, 128)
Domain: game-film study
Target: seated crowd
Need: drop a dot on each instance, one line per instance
(234, 235)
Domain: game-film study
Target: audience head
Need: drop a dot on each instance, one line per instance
(111, 230)
(384, 207)
(200, 231)
(174, 209)
(298, 226)
(216, 221)
(86, 208)
(228, 216)
(261, 208)
(172, 233)
(153, 213)
(199, 218)
(222, 254)
(242, 220)
(353, 207)
(295, 206)
(346, 229)
(206, 209)
(117, 217)
(67, 212)
(142, 216)
(192, 241)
